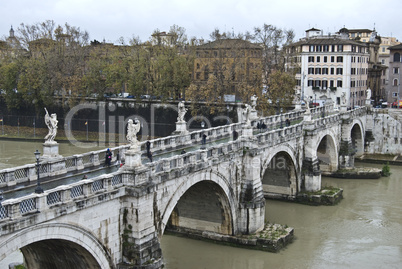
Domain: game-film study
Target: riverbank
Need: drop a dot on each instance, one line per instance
(393, 159)
(272, 238)
(356, 173)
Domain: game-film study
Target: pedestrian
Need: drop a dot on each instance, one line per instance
(108, 157)
(148, 145)
(287, 122)
(235, 135)
(118, 161)
(183, 152)
(84, 177)
(204, 139)
(263, 126)
(149, 154)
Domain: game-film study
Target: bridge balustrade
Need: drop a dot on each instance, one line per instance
(34, 203)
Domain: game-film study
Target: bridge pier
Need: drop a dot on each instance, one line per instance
(346, 149)
(252, 202)
(312, 174)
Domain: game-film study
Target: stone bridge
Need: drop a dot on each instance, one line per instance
(116, 220)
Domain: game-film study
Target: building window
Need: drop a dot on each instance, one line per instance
(311, 70)
(198, 75)
(339, 71)
(340, 48)
(318, 71)
(324, 84)
(397, 57)
(394, 94)
(396, 70)
(382, 61)
(339, 83)
(325, 59)
(311, 48)
(332, 59)
(339, 59)
(395, 83)
(317, 83)
(318, 59)
(331, 83)
(198, 66)
(310, 83)
(332, 71)
(325, 71)
(311, 59)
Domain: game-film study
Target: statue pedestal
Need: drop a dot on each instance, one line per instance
(181, 128)
(253, 115)
(344, 108)
(50, 150)
(307, 116)
(133, 158)
(247, 130)
(368, 102)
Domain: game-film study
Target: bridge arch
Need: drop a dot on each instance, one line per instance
(59, 246)
(211, 189)
(281, 163)
(357, 136)
(327, 150)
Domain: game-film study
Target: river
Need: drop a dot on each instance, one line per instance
(363, 231)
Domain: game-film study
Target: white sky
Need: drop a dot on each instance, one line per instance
(109, 20)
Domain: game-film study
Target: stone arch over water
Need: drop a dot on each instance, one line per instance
(57, 245)
(327, 153)
(357, 137)
(279, 174)
(203, 201)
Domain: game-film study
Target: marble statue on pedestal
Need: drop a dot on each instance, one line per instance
(181, 111)
(51, 122)
(133, 127)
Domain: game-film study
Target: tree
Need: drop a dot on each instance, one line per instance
(280, 93)
(225, 67)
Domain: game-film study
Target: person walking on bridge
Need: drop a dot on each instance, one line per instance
(108, 157)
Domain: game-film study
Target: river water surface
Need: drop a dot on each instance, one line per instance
(363, 231)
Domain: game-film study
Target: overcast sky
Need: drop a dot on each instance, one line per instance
(110, 20)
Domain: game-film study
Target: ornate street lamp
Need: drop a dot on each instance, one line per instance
(204, 137)
(38, 188)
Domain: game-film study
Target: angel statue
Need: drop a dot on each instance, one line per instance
(51, 122)
(182, 111)
(247, 112)
(343, 98)
(307, 102)
(133, 128)
(253, 101)
(368, 93)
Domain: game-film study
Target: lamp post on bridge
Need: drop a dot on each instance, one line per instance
(38, 188)
(204, 136)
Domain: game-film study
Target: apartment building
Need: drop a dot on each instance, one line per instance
(234, 62)
(395, 66)
(328, 66)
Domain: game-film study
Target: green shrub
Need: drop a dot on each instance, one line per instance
(386, 170)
